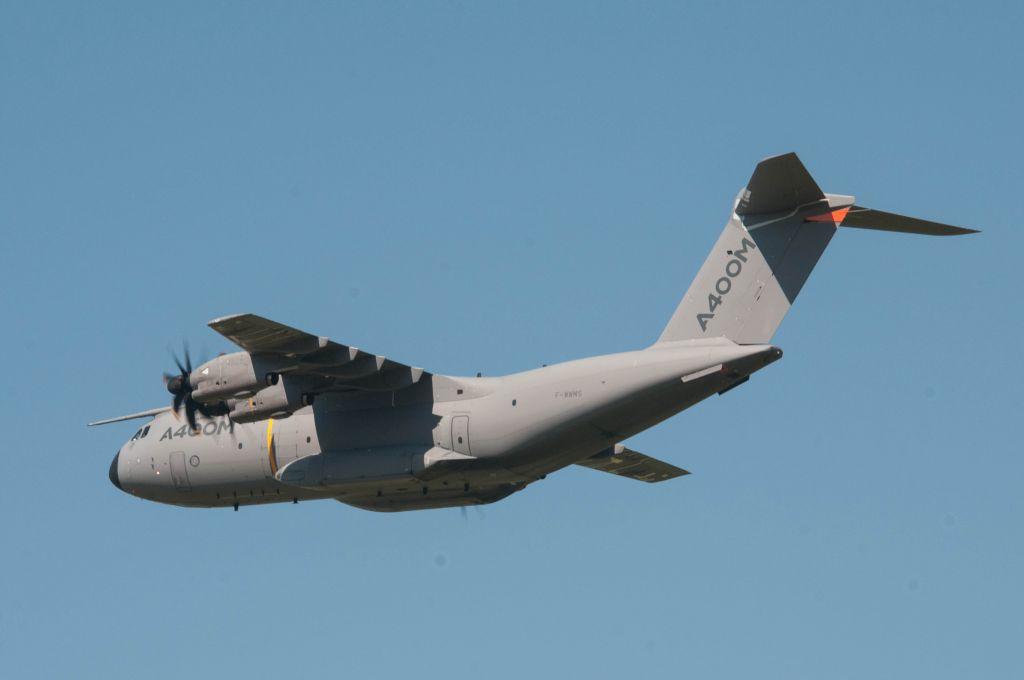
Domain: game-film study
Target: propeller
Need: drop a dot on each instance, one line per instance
(181, 387)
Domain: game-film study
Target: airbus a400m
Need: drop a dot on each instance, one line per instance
(295, 416)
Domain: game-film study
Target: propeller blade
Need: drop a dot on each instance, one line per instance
(190, 414)
(177, 362)
(181, 387)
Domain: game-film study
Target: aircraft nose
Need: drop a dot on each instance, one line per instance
(114, 479)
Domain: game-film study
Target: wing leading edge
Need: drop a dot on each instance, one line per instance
(132, 416)
(338, 366)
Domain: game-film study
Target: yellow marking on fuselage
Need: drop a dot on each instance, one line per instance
(271, 453)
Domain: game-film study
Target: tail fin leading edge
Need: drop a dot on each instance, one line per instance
(781, 224)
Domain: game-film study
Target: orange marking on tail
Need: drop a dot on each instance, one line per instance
(835, 216)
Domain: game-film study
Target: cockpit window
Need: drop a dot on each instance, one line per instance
(137, 435)
(145, 431)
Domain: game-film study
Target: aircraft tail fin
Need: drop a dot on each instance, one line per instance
(780, 225)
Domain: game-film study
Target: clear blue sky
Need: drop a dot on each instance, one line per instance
(489, 187)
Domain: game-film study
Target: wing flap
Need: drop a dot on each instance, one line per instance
(625, 462)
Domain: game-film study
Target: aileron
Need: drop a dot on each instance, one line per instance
(258, 335)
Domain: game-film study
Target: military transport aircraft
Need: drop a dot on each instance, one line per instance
(295, 416)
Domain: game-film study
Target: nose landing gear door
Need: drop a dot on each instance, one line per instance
(179, 473)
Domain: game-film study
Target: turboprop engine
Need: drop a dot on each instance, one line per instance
(279, 400)
(232, 376)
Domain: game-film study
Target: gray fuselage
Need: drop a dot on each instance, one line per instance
(445, 441)
(383, 435)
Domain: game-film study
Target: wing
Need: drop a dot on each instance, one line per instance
(618, 460)
(334, 366)
(141, 414)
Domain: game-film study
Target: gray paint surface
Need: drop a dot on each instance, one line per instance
(302, 417)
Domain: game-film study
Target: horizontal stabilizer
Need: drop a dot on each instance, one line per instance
(868, 218)
(618, 460)
(780, 225)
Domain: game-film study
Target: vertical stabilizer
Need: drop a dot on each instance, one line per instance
(780, 225)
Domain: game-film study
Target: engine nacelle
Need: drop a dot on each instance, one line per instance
(232, 376)
(279, 400)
